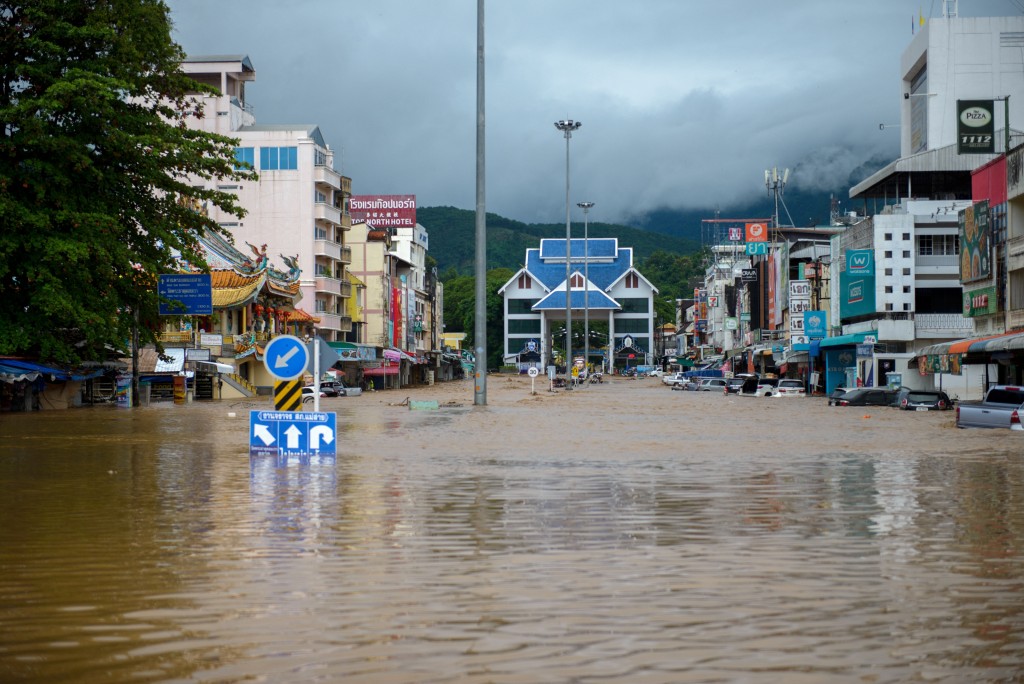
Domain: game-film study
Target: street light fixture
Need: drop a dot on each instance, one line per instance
(567, 126)
(585, 206)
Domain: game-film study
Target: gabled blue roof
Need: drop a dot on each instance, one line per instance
(600, 248)
(551, 272)
(595, 300)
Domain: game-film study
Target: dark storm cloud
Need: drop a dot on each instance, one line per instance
(683, 104)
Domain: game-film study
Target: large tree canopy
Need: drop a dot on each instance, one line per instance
(95, 160)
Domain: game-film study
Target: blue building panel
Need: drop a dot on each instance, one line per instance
(556, 301)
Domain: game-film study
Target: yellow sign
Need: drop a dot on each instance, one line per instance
(288, 395)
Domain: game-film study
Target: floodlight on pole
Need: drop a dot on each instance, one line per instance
(585, 206)
(567, 126)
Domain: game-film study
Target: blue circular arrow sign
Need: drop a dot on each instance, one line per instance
(286, 357)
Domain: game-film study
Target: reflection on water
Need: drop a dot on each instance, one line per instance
(495, 545)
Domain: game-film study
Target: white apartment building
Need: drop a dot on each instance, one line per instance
(298, 207)
(411, 245)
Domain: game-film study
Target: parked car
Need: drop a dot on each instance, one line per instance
(689, 385)
(330, 388)
(837, 394)
(734, 384)
(657, 373)
(308, 393)
(673, 379)
(922, 400)
(763, 387)
(867, 396)
(789, 387)
(1002, 408)
(711, 385)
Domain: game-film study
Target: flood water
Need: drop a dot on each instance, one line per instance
(620, 533)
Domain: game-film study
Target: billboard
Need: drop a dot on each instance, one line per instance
(981, 302)
(858, 284)
(757, 232)
(384, 211)
(975, 127)
(975, 245)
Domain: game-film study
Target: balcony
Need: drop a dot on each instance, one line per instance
(937, 326)
(325, 212)
(346, 254)
(346, 289)
(345, 323)
(329, 321)
(328, 285)
(328, 248)
(937, 265)
(327, 176)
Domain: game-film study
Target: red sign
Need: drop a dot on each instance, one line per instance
(757, 232)
(384, 211)
(396, 315)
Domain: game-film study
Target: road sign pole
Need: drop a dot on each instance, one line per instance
(316, 374)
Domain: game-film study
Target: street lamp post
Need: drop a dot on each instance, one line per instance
(585, 206)
(567, 126)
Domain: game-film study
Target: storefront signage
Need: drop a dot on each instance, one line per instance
(975, 243)
(815, 323)
(749, 275)
(384, 211)
(975, 127)
(981, 302)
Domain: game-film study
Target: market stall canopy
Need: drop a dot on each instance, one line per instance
(1009, 341)
(219, 367)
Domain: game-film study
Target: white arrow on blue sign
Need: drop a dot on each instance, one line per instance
(292, 433)
(286, 357)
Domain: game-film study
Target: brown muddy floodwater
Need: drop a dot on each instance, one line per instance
(619, 533)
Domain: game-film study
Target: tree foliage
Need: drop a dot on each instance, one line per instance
(460, 310)
(95, 160)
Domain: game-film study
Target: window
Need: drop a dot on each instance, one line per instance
(906, 307)
(888, 289)
(888, 271)
(244, 155)
(938, 245)
(631, 325)
(906, 289)
(525, 281)
(319, 197)
(888, 236)
(632, 280)
(279, 158)
(529, 326)
(906, 236)
(577, 281)
(521, 306)
(906, 271)
(906, 254)
(634, 306)
(888, 254)
(888, 306)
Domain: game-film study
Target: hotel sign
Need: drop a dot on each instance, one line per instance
(384, 211)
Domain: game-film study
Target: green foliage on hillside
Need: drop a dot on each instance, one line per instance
(453, 238)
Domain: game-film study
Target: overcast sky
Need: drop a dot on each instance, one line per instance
(684, 103)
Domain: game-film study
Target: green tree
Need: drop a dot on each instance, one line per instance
(460, 309)
(96, 161)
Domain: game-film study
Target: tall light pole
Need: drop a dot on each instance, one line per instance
(567, 126)
(585, 206)
(480, 327)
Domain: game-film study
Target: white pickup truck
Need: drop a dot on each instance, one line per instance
(1002, 408)
(673, 379)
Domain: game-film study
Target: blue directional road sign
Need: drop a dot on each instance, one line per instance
(190, 294)
(286, 357)
(292, 433)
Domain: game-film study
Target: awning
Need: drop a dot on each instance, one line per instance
(22, 369)
(382, 370)
(847, 340)
(1010, 341)
(796, 357)
(219, 367)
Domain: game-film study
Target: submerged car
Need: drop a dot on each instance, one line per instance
(837, 394)
(711, 385)
(734, 384)
(760, 387)
(922, 400)
(790, 388)
(867, 396)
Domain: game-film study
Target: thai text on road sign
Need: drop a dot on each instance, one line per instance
(295, 433)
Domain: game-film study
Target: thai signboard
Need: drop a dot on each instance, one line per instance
(190, 294)
(858, 284)
(757, 232)
(975, 243)
(815, 324)
(384, 211)
(975, 127)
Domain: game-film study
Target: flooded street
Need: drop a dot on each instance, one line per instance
(619, 533)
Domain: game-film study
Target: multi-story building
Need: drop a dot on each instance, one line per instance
(900, 284)
(617, 295)
(297, 209)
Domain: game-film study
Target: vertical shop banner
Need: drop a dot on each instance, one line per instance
(858, 283)
(396, 316)
(975, 243)
(975, 127)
